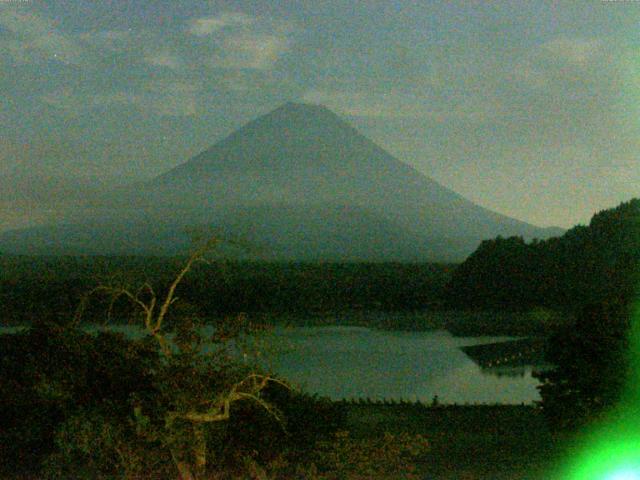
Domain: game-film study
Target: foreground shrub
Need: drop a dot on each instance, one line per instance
(49, 374)
(389, 456)
(75, 405)
(591, 361)
(305, 420)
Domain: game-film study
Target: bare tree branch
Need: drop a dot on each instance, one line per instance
(195, 256)
(220, 409)
(215, 409)
(152, 321)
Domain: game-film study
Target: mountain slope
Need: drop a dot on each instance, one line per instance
(303, 184)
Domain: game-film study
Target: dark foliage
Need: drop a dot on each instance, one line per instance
(585, 265)
(49, 374)
(497, 274)
(68, 401)
(306, 420)
(591, 273)
(591, 365)
(32, 288)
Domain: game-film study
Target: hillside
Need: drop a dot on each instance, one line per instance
(588, 264)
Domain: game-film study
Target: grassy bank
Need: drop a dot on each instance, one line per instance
(469, 442)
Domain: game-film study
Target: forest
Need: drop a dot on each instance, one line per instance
(31, 287)
(588, 264)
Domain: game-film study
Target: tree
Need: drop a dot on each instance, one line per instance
(586, 265)
(501, 273)
(591, 367)
(193, 390)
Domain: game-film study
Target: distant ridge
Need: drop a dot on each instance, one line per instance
(301, 183)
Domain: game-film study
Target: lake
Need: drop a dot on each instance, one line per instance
(344, 362)
(358, 362)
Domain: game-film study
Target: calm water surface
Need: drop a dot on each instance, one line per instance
(353, 362)
(358, 362)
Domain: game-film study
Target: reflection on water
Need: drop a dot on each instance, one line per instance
(357, 362)
(518, 371)
(349, 362)
(511, 372)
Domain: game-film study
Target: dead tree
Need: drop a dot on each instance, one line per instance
(192, 464)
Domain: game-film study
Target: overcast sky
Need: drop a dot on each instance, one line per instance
(530, 108)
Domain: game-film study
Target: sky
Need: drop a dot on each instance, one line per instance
(530, 108)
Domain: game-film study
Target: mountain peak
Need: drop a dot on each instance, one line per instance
(302, 106)
(298, 110)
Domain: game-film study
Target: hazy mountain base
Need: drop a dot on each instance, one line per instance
(296, 184)
(277, 232)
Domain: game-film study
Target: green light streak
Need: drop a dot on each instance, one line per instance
(611, 449)
(624, 475)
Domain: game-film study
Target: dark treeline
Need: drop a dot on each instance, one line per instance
(33, 287)
(591, 272)
(587, 265)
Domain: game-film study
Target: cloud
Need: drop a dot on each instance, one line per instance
(65, 100)
(575, 51)
(364, 104)
(394, 104)
(164, 59)
(171, 98)
(525, 73)
(110, 40)
(241, 41)
(559, 60)
(18, 52)
(73, 103)
(38, 40)
(164, 98)
(251, 51)
(115, 98)
(140, 46)
(204, 26)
